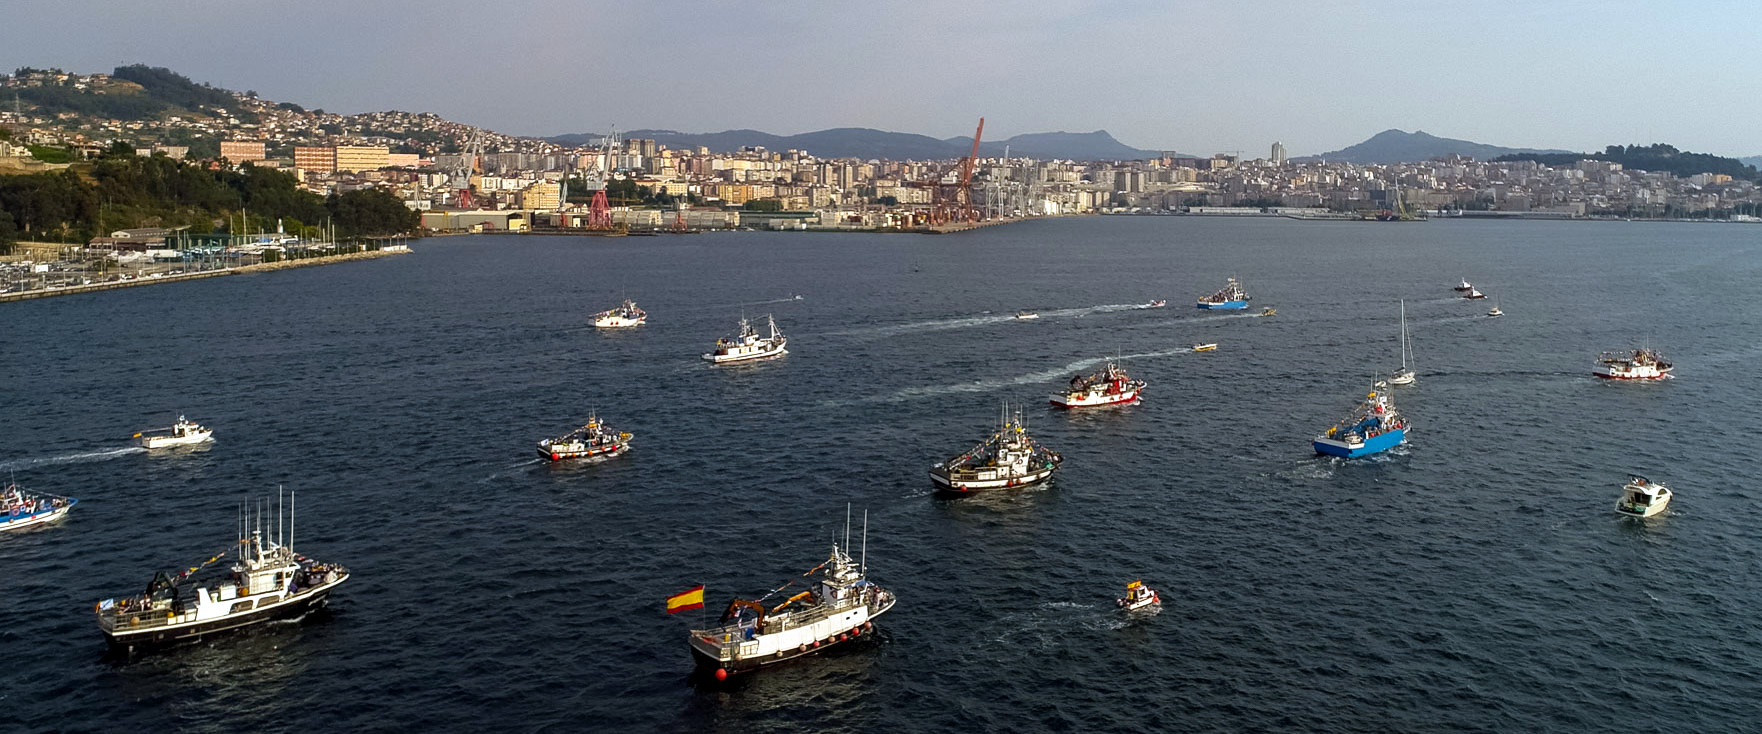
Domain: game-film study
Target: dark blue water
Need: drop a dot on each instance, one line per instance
(1477, 579)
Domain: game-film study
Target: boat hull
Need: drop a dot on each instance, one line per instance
(1643, 373)
(162, 442)
(603, 453)
(1624, 508)
(1085, 400)
(960, 484)
(778, 351)
(174, 635)
(1224, 305)
(22, 521)
(618, 322)
(855, 624)
(1372, 445)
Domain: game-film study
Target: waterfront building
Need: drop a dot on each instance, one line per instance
(361, 158)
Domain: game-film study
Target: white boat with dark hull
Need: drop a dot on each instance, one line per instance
(837, 607)
(1474, 295)
(1138, 596)
(1109, 386)
(267, 582)
(1642, 498)
(624, 316)
(20, 509)
(181, 433)
(747, 345)
(1464, 286)
(1644, 363)
(1008, 459)
(594, 440)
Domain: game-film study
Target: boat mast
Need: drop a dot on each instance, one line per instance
(865, 562)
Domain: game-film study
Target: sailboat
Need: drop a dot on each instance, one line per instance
(1405, 375)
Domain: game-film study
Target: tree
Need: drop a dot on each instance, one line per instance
(371, 212)
(888, 200)
(8, 233)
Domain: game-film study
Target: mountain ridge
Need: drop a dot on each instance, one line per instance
(1399, 146)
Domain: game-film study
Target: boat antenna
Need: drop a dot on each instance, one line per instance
(290, 523)
(280, 512)
(865, 561)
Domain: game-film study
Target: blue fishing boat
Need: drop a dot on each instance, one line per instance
(1373, 427)
(20, 509)
(1230, 297)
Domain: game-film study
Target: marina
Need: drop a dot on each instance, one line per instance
(1207, 489)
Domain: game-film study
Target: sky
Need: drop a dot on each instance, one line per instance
(1194, 76)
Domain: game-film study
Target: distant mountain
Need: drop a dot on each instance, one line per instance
(865, 143)
(1752, 160)
(1399, 146)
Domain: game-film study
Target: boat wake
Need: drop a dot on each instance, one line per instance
(1032, 378)
(82, 456)
(981, 320)
(510, 470)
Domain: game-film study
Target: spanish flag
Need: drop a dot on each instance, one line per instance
(688, 599)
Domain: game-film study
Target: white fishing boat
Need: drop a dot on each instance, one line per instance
(747, 345)
(20, 509)
(1464, 286)
(267, 581)
(1138, 596)
(839, 606)
(624, 316)
(1642, 497)
(594, 440)
(1108, 386)
(1008, 459)
(1644, 363)
(1474, 294)
(180, 433)
(1404, 375)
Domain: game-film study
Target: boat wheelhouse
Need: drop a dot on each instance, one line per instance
(181, 433)
(594, 440)
(267, 581)
(1108, 386)
(838, 606)
(747, 345)
(1373, 427)
(1644, 363)
(624, 316)
(1008, 459)
(1642, 497)
(1231, 296)
(20, 509)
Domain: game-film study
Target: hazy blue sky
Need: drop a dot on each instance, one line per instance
(1199, 77)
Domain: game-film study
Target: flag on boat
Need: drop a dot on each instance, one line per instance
(1134, 585)
(688, 599)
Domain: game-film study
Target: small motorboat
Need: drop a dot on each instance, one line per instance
(1026, 315)
(1205, 347)
(1156, 304)
(1269, 311)
(1494, 312)
(796, 298)
(1139, 596)
(1474, 294)
(1464, 286)
(181, 433)
(1642, 497)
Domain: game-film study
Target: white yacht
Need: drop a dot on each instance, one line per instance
(180, 433)
(839, 606)
(747, 345)
(267, 581)
(1642, 497)
(1405, 375)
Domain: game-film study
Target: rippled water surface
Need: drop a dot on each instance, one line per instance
(1476, 579)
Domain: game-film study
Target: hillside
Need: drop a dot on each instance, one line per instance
(1655, 157)
(1751, 160)
(1399, 146)
(865, 143)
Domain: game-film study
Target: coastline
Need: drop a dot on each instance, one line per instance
(240, 270)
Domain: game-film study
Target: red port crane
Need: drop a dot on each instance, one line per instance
(964, 197)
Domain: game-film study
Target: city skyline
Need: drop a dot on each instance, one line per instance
(1193, 77)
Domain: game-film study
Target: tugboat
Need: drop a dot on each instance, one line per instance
(1405, 375)
(1643, 364)
(1375, 426)
(1139, 596)
(180, 433)
(1642, 497)
(591, 440)
(748, 345)
(1464, 286)
(1474, 294)
(839, 606)
(20, 509)
(1108, 386)
(268, 581)
(622, 317)
(1026, 315)
(1009, 458)
(1230, 297)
